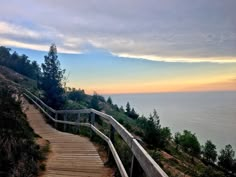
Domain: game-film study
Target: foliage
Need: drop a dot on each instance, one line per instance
(109, 100)
(51, 80)
(101, 98)
(177, 140)
(19, 154)
(153, 134)
(189, 143)
(121, 117)
(76, 95)
(234, 166)
(130, 112)
(116, 108)
(226, 157)
(122, 109)
(73, 105)
(124, 151)
(11, 79)
(19, 63)
(209, 152)
(133, 114)
(128, 109)
(156, 155)
(210, 172)
(165, 136)
(95, 102)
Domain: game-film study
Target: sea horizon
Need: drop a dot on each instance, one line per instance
(209, 114)
(140, 93)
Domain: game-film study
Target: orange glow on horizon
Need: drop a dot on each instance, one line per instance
(155, 87)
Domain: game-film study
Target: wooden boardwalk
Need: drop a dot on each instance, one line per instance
(72, 155)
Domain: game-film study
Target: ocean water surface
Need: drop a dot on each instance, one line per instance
(211, 115)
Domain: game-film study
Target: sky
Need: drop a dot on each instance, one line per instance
(133, 46)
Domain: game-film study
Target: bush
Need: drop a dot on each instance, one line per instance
(210, 172)
(76, 95)
(226, 157)
(188, 142)
(19, 154)
(209, 152)
(165, 136)
(95, 102)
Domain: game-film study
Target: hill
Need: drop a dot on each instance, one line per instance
(10, 77)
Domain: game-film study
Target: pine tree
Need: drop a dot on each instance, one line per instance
(209, 152)
(226, 157)
(128, 109)
(109, 101)
(51, 81)
(152, 130)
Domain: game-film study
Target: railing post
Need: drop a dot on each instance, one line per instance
(88, 120)
(112, 138)
(56, 117)
(91, 121)
(65, 116)
(92, 118)
(78, 121)
(112, 133)
(133, 166)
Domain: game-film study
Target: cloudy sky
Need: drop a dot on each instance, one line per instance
(186, 45)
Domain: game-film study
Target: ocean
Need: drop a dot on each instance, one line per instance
(210, 115)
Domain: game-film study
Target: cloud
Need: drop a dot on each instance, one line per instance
(13, 30)
(38, 38)
(180, 29)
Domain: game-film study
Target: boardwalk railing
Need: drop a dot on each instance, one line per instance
(149, 166)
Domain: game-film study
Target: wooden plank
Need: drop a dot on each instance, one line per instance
(64, 124)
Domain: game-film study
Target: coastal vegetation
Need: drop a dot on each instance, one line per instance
(20, 155)
(19, 63)
(179, 154)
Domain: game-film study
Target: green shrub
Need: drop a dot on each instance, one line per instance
(19, 154)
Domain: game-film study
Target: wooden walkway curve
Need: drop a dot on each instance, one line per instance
(72, 155)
